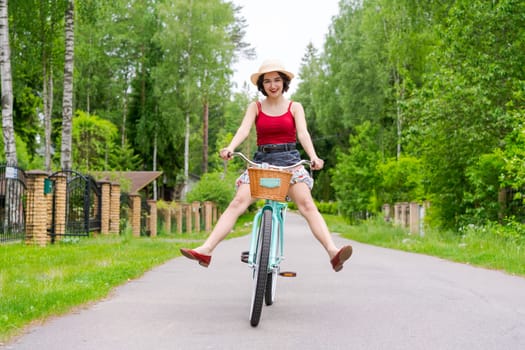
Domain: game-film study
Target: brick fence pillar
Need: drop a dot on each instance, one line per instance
(404, 214)
(36, 213)
(152, 217)
(49, 199)
(216, 213)
(60, 198)
(135, 214)
(414, 218)
(195, 208)
(187, 213)
(166, 214)
(178, 217)
(105, 210)
(208, 215)
(114, 216)
(397, 214)
(386, 212)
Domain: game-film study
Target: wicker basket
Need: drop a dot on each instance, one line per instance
(269, 183)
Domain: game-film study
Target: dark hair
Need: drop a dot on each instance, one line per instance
(284, 77)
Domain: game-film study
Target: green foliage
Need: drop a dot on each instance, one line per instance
(514, 232)
(123, 158)
(310, 74)
(437, 84)
(25, 117)
(199, 39)
(26, 159)
(401, 180)
(331, 208)
(93, 139)
(355, 175)
(484, 179)
(514, 155)
(464, 109)
(214, 187)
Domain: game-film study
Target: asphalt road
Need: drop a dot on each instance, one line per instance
(382, 299)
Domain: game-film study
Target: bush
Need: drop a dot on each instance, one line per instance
(214, 187)
(328, 207)
(484, 180)
(331, 208)
(401, 180)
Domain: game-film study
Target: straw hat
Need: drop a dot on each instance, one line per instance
(271, 65)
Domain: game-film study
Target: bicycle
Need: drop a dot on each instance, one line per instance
(266, 252)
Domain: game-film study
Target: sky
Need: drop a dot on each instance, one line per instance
(282, 29)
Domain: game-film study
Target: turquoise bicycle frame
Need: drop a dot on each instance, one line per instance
(276, 252)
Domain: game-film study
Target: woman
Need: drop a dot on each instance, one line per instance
(279, 124)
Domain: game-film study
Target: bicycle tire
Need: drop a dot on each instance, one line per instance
(261, 267)
(271, 282)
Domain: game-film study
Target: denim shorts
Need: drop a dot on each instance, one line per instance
(278, 158)
(300, 174)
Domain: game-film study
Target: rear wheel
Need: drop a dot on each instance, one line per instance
(260, 273)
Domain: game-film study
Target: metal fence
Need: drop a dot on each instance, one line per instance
(12, 203)
(83, 205)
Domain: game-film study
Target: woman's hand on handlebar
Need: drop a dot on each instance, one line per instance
(317, 163)
(225, 153)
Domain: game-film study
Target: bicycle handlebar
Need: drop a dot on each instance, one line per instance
(301, 162)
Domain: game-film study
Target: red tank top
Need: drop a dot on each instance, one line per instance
(275, 129)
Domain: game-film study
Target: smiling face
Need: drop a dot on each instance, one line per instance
(273, 84)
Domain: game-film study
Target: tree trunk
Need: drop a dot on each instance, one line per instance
(205, 126)
(48, 108)
(7, 88)
(186, 156)
(155, 150)
(47, 83)
(400, 94)
(67, 101)
(10, 211)
(125, 110)
(155, 195)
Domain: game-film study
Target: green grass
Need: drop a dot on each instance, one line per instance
(39, 282)
(480, 248)
(36, 282)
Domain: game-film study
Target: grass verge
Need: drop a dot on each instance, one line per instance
(39, 282)
(480, 248)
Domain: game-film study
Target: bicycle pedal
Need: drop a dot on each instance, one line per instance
(288, 274)
(244, 257)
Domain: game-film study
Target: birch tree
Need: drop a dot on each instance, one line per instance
(67, 101)
(7, 87)
(202, 38)
(47, 78)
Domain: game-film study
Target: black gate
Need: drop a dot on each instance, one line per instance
(83, 205)
(144, 217)
(12, 203)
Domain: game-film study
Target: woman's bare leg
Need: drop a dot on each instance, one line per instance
(236, 208)
(300, 194)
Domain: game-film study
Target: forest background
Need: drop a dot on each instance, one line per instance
(407, 100)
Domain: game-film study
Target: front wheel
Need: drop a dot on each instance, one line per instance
(271, 283)
(260, 273)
